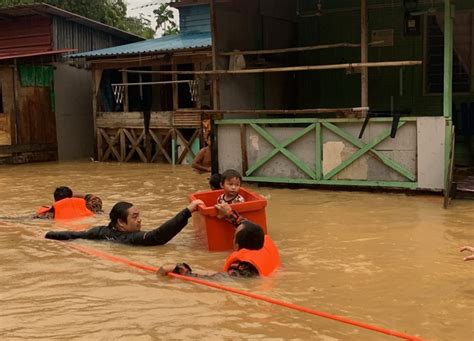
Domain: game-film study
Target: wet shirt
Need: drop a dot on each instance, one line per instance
(158, 236)
(235, 200)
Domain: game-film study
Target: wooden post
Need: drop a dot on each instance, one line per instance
(215, 82)
(173, 147)
(448, 59)
(148, 147)
(100, 154)
(215, 91)
(174, 86)
(15, 117)
(123, 145)
(125, 94)
(243, 147)
(364, 55)
(96, 76)
(448, 93)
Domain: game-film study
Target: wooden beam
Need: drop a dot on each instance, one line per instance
(28, 148)
(163, 59)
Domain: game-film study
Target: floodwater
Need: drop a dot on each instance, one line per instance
(390, 260)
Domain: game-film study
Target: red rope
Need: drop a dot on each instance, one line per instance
(149, 268)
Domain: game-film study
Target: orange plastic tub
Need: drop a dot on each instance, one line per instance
(218, 233)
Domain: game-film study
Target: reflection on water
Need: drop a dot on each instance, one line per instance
(386, 259)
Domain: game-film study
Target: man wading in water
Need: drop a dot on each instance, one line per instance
(125, 227)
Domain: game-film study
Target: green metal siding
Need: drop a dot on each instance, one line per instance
(194, 19)
(340, 22)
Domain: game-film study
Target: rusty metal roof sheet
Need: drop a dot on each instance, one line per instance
(42, 8)
(13, 55)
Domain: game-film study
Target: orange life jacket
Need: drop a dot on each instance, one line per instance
(265, 260)
(42, 210)
(71, 208)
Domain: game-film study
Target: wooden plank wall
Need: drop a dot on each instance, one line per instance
(7, 99)
(37, 122)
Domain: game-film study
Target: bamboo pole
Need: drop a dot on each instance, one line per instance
(150, 83)
(296, 49)
(288, 68)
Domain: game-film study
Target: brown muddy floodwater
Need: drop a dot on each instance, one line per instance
(389, 260)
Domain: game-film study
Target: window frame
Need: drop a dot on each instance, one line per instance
(425, 56)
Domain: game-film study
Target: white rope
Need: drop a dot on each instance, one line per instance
(118, 90)
(194, 90)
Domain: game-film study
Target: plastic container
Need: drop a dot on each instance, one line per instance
(218, 233)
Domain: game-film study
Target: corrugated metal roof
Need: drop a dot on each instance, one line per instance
(42, 9)
(163, 44)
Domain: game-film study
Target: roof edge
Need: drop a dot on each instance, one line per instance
(52, 10)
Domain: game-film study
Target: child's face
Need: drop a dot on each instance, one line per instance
(231, 186)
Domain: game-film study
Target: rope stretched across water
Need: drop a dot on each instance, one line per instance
(149, 268)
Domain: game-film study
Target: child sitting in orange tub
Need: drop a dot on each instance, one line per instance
(230, 183)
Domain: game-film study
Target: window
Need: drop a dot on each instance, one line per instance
(184, 94)
(107, 100)
(139, 97)
(462, 53)
(162, 93)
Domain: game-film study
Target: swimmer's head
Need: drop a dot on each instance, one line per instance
(62, 192)
(248, 236)
(215, 181)
(125, 217)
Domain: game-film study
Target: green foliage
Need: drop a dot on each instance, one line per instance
(109, 12)
(140, 26)
(165, 20)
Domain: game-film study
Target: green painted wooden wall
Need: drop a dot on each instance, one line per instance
(340, 22)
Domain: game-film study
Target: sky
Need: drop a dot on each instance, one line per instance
(146, 7)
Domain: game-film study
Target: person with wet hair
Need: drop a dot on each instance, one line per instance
(254, 254)
(215, 181)
(69, 205)
(125, 227)
(61, 193)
